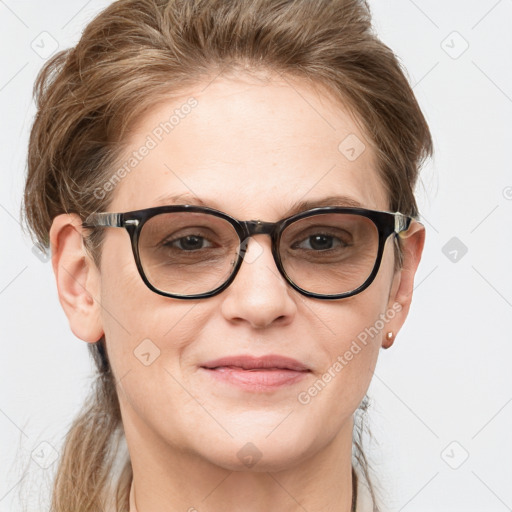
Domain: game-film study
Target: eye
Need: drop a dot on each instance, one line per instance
(319, 242)
(188, 243)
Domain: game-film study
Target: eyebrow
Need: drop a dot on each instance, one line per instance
(296, 207)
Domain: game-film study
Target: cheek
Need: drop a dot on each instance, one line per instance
(148, 340)
(136, 321)
(353, 344)
(351, 332)
(148, 336)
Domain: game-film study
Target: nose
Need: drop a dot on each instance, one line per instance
(259, 295)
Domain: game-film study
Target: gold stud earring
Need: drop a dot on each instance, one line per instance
(390, 338)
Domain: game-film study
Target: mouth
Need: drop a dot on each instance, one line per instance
(246, 362)
(257, 373)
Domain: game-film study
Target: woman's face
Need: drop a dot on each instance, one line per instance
(252, 150)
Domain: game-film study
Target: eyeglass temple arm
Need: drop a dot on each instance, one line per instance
(103, 220)
(403, 223)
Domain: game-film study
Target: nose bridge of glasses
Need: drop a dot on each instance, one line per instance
(252, 228)
(258, 227)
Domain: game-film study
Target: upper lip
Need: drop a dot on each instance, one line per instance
(247, 362)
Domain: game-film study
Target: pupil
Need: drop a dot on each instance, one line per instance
(321, 242)
(191, 242)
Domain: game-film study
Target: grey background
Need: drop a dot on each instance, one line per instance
(442, 411)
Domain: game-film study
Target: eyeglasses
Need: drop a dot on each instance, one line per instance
(192, 252)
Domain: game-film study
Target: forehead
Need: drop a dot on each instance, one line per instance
(250, 148)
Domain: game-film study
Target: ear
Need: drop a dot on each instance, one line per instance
(400, 296)
(78, 278)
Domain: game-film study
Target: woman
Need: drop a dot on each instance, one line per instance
(215, 181)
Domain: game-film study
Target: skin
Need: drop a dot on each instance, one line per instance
(250, 149)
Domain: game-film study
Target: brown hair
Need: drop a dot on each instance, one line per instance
(136, 53)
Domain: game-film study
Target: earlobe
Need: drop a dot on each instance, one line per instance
(400, 298)
(77, 277)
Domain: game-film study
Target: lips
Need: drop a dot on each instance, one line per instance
(268, 362)
(264, 374)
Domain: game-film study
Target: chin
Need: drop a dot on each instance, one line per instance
(260, 454)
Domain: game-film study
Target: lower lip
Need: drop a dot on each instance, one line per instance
(257, 380)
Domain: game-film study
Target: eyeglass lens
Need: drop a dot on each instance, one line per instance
(188, 253)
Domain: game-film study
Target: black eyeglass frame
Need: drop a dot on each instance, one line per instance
(387, 223)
